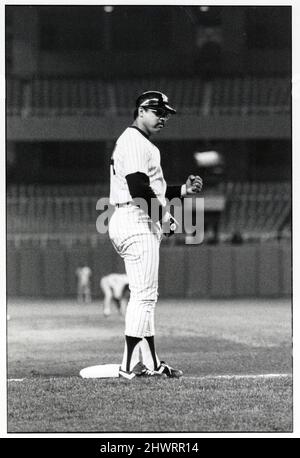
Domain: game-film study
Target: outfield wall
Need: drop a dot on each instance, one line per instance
(250, 270)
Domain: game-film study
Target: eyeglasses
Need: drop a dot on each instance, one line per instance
(161, 113)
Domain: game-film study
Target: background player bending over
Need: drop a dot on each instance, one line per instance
(136, 234)
(116, 292)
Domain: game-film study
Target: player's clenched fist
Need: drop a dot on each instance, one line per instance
(193, 184)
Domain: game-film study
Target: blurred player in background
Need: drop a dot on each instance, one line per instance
(84, 274)
(115, 288)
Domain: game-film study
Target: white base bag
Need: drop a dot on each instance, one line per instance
(101, 371)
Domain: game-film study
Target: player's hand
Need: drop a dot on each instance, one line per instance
(193, 184)
(169, 225)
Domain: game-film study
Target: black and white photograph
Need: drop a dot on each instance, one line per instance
(149, 222)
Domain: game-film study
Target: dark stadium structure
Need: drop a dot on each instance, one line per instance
(72, 76)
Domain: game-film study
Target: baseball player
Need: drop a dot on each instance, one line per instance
(116, 291)
(136, 233)
(83, 284)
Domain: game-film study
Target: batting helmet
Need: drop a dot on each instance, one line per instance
(154, 99)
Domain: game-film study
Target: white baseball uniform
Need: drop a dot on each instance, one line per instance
(132, 233)
(130, 227)
(116, 284)
(112, 286)
(134, 152)
(83, 283)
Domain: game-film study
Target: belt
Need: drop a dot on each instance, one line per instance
(125, 204)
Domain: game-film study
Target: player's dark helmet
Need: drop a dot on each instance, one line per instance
(153, 99)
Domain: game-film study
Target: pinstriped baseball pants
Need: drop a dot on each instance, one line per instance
(132, 237)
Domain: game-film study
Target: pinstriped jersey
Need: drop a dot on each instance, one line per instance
(134, 152)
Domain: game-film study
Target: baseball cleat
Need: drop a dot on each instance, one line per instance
(139, 370)
(127, 375)
(169, 371)
(149, 373)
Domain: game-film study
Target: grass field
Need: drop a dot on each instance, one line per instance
(236, 357)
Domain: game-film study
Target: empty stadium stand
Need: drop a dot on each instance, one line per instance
(94, 97)
(250, 95)
(56, 97)
(15, 96)
(258, 211)
(44, 214)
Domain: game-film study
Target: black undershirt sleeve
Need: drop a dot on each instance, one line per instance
(139, 188)
(173, 191)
